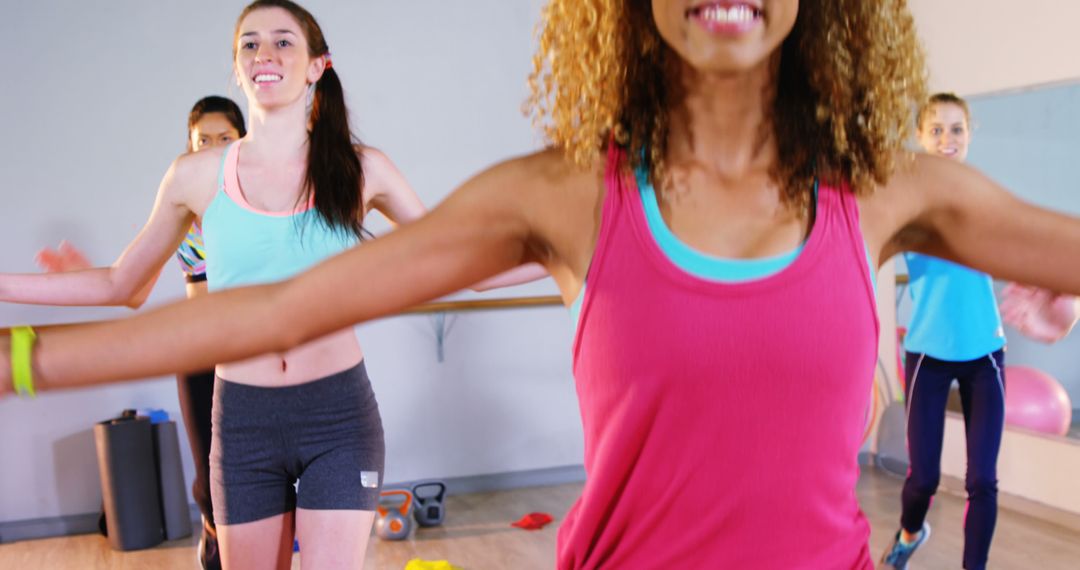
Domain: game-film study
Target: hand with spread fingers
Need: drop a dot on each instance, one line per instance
(64, 258)
(1039, 313)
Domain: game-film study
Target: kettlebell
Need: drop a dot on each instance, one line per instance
(394, 522)
(429, 505)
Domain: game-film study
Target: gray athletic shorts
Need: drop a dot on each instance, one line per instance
(326, 433)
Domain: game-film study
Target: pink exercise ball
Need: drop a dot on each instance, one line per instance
(1035, 400)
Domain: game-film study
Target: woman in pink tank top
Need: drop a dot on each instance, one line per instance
(722, 419)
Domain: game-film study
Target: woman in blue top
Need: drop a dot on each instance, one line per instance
(955, 333)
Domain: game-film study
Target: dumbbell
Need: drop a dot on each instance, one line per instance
(429, 509)
(394, 521)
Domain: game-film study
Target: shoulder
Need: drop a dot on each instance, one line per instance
(923, 179)
(195, 163)
(381, 175)
(197, 167)
(192, 178)
(373, 159)
(544, 174)
(923, 194)
(561, 202)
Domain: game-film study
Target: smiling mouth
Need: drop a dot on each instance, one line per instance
(263, 78)
(725, 13)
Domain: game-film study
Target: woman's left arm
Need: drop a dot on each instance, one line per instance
(949, 210)
(386, 190)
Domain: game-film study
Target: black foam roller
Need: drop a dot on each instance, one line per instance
(176, 515)
(129, 483)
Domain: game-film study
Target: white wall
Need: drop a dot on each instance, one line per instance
(94, 109)
(980, 46)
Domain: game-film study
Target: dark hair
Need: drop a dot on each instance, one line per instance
(216, 104)
(942, 99)
(334, 176)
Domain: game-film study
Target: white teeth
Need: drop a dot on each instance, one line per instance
(266, 78)
(734, 14)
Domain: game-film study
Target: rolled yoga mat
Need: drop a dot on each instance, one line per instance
(129, 482)
(174, 503)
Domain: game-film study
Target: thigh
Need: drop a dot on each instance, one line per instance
(265, 543)
(983, 395)
(927, 395)
(346, 470)
(332, 540)
(251, 474)
(340, 442)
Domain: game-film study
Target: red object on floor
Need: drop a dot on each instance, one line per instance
(533, 521)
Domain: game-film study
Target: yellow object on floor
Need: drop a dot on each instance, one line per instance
(417, 564)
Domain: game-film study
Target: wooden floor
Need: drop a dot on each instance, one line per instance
(477, 536)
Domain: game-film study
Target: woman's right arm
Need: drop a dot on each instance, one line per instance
(486, 227)
(69, 258)
(137, 266)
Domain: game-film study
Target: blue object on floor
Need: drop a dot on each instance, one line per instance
(156, 416)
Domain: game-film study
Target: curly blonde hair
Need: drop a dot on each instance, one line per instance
(851, 75)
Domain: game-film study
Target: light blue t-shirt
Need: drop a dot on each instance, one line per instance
(954, 312)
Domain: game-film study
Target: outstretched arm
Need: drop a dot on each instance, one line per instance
(949, 210)
(517, 276)
(137, 266)
(70, 258)
(479, 231)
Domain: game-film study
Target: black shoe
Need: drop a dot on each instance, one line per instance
(209, 555)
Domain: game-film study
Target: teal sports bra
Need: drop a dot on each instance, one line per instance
(248, 246)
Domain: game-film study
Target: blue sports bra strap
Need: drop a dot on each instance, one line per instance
(221, 169)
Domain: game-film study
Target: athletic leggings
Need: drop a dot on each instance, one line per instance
(196, 392)
(982, 392)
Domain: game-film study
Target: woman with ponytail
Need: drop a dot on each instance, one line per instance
(290, 193)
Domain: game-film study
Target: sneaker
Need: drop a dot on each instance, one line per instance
(899, 553)
(209, 556)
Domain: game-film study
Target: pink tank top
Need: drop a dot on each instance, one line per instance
(722, 421)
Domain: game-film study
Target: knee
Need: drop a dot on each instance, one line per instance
(925, 486)
(981, 485)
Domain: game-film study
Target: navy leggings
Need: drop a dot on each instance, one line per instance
(982, 392)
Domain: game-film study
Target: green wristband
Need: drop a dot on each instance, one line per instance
(22, 369)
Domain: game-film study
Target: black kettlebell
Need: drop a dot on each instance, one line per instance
(429, 509)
